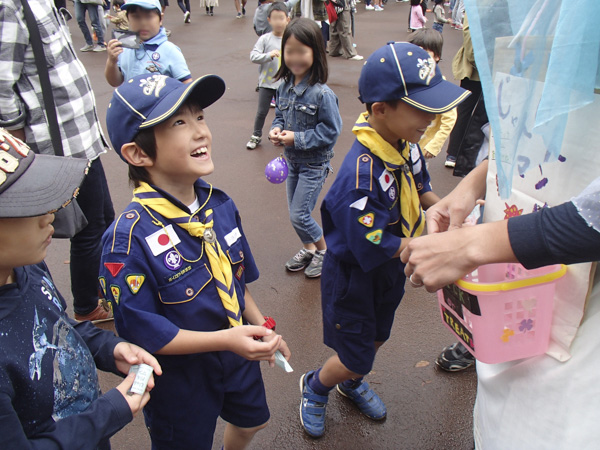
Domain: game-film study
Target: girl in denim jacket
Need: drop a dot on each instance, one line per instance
(307, 122)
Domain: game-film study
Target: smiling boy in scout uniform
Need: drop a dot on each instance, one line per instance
(371, 211)
(175, 266)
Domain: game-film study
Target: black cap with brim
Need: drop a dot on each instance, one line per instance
(44, 185)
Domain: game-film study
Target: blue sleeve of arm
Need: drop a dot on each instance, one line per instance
(370, 244)
(86, 430)
(329, 125)
(178, 66)
(552, 236)
(138, 318)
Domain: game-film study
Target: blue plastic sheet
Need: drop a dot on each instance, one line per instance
(538, 61)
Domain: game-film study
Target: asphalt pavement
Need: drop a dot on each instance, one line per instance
(427, 408)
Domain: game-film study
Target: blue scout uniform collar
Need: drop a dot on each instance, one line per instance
(153, 43)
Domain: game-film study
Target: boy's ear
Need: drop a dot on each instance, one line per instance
(378, 108)
(134, 155)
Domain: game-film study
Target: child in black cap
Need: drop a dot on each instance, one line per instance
(49, 391)
(374, 207)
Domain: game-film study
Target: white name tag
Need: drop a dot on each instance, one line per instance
(233, 236)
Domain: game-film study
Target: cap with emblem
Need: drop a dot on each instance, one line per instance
(33, 185)
(146, 4)
(147, 100)
(403, 71)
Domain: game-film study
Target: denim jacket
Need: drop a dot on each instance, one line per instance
(312, 113)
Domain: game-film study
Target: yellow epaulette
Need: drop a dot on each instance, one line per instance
(122, 231)
(364, 172)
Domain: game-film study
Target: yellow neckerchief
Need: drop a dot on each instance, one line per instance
(412, 217)
(219, 263)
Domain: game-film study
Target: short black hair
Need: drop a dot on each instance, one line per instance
(277, 6)
(415, 2)
(392, 103)
(307, 32)
(118, 3)
(429, 40)
(135, 8)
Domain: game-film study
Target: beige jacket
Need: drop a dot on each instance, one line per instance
(463, 64)
(437, 133)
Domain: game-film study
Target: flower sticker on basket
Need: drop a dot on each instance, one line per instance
(507, 334)
(526, 325)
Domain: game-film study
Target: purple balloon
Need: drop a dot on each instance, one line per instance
(277, 170)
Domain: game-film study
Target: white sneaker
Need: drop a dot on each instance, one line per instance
(87, 48)
(186, 17)
(369, 7)
(357, 58)
(378, 8)
(99, 48)
(253, 142)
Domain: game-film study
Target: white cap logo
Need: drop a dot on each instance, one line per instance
(153, 84)
(426, 69)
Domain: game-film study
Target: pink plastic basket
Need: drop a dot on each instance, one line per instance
(502, 312)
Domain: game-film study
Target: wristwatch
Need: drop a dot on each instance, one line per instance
(269, 323)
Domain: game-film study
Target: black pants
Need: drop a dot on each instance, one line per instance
(184, 8)
(264, 103)
(86, 246)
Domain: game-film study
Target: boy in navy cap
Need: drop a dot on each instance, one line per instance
(372, 210)
(155, 54)
(49, 391)
(175, 267)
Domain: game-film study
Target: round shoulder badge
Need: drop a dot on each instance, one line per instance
(155, 56)
(173, 260)
(392, 193)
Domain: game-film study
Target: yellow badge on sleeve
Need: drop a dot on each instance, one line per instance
(116, 293)
(102, 282)
(135, 281)
(367, 220)
(374, 236)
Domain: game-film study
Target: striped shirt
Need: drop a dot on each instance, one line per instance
(21, 93)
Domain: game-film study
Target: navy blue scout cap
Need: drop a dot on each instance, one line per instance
(403, 71)
(32, 185)
(147, 100)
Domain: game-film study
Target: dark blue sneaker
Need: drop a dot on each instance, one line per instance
(312, 408)
(366, 399)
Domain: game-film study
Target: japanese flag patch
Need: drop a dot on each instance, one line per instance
(386, 179)
(162, 240)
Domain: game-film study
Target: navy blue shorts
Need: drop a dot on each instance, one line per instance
(359, 308)
(194, 390)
